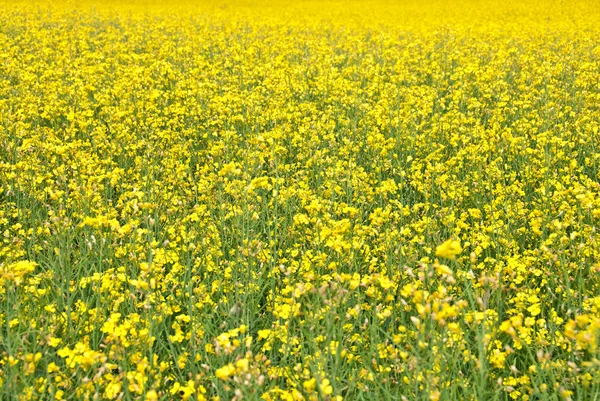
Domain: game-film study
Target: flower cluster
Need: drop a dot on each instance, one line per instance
(356, 200)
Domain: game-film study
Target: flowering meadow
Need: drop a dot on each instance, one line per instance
(308, 200)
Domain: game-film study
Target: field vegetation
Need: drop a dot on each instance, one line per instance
(330, 200)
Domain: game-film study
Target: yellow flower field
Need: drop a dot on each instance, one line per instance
(308, 200)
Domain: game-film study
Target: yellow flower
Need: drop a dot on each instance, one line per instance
(225, 371)
(52, 367)
(242, 364)
(449, 249)
(534, 309)
(15, 271)
(325, 387)
(310, 384)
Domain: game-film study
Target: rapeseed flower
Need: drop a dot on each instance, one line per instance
(449, 249)
(299, 201)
